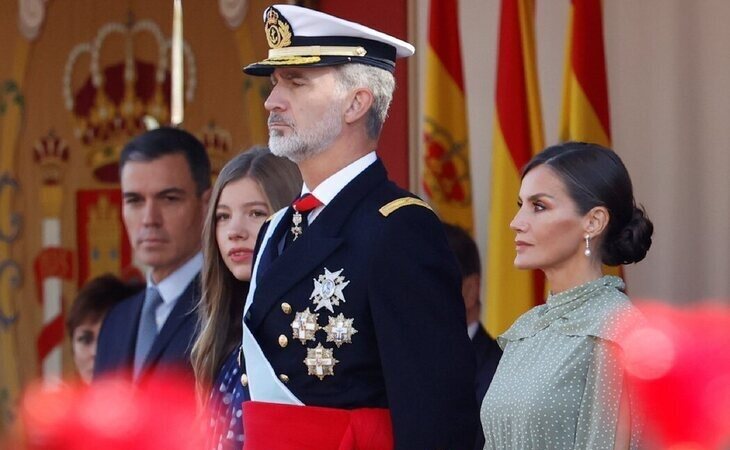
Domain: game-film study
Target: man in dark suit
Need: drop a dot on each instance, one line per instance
(354, 328)
(165, 181)
(486, 349)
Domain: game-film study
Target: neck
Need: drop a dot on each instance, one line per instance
(160, 273)
(572, 275)
(472, 315)
(338, 156)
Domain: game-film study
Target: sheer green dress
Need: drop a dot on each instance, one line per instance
(559, 384)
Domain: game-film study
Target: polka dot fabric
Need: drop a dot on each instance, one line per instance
(226, 421)
(558, 384)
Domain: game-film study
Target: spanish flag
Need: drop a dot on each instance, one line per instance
(585, 116)
(446, 178)
(518, 135)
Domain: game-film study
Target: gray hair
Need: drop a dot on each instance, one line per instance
(380, 82)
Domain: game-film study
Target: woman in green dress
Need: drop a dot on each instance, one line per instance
(559, 384)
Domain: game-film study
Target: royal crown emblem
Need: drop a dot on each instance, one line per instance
(278, 30)
(110, 97)
(50, 152)
(217, 142)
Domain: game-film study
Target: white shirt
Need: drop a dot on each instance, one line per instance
(329, 188)
(172, 287)
(472, 329)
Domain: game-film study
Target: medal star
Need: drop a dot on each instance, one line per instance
(320, 361)
(327, 291)
(304, 326)
(339, 330)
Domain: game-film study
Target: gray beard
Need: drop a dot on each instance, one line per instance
(303, 144)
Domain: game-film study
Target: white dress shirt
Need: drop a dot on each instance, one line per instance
(172, 287)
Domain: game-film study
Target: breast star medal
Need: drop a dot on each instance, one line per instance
(304, 326)
(339, 330)
(328, 290)
(320, 361)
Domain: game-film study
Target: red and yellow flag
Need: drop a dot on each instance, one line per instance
(585, 116)
(446, 178)
(518, 135)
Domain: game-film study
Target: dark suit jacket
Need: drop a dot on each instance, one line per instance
(488, 353)
(171, 349)
(411, 352)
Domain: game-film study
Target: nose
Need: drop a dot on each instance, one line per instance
(151, 216)
(274, 102)
(238, 231)
(518, 223)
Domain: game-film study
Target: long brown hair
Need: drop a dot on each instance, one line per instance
(223, 296)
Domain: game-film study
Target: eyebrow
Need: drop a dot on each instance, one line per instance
(537, 196)
(162, 193)
(247, 204)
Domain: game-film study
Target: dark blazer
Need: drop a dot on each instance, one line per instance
(171, 349)
(487, 352)
(411, 352)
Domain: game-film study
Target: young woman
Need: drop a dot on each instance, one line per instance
(558, 384)
(250, 188)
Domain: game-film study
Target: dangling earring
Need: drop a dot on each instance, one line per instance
(587, 251)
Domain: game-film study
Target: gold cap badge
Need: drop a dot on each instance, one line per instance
(278, 30)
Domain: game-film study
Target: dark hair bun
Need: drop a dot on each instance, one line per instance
(631, 243)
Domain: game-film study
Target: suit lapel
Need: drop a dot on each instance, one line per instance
(183, 311)
(271, 248)
(125, 342)
(305, 254)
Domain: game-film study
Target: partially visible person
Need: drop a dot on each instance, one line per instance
(250, 188)
(486, 349)
(165, 181)
(83, 320)
(559, 384)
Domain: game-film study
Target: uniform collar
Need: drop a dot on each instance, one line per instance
(330, 187)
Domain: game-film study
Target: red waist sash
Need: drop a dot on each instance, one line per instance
(273, 426)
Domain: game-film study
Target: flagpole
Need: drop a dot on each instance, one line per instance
(176, 113)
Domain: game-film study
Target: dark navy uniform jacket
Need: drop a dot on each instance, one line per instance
(488, 353)
(411, 352)
(171, 349)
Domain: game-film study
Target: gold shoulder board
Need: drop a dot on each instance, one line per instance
(393, 206)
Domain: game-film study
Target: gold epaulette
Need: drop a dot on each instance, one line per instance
(393, 206)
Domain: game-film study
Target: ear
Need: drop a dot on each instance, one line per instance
(470, 289)
(205, 200)
(361, 101)
(596, 221)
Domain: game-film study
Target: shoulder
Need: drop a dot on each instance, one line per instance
(402, 202)
(128, 306)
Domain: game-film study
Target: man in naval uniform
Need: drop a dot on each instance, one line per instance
(354, 327)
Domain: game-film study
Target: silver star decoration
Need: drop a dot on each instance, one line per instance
(328, 290)
(320, 361)
(339, 330)
(304, 326)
